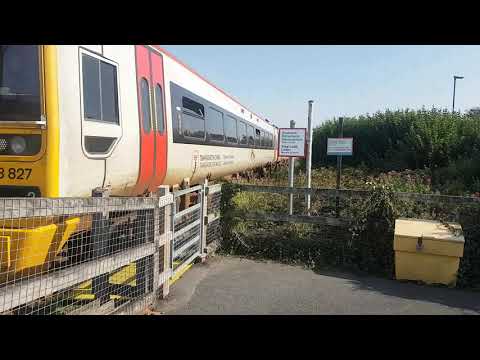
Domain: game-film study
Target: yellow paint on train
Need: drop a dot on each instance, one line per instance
(51, 186)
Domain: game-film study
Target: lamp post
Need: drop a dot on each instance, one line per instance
(455, 77)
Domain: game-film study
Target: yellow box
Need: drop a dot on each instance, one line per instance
(427, 251)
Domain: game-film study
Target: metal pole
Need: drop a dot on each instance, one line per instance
(291, 166)
(454, 83)
(339, 162)
(309, 154)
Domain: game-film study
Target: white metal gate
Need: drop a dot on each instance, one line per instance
(187, 226)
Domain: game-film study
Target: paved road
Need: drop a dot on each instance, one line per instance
(231, 285)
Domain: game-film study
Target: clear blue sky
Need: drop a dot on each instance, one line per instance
(277, 81)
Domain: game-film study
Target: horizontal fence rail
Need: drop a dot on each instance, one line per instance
(305, 219)
(36, 207)
(346, 193)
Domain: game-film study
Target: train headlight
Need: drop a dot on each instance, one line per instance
(18, 145)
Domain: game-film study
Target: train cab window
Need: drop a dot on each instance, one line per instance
(258, 142)
(242, 132)
(146, 112)
(215, 129)
(193, 119)
(159, 108)
(19, 83)
(250, 134)
(231, 130)
(100, 90)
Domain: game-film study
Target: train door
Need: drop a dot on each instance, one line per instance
(153, 139)
(158, 101)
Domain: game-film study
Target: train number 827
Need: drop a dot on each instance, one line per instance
(15, 173)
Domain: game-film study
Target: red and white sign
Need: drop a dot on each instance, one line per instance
(291, 142)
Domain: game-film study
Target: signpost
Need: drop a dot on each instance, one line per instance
(339, 147)
(291, 144)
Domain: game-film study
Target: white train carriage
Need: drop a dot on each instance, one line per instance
(129, 118)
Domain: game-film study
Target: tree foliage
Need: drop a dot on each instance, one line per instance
(447, 144)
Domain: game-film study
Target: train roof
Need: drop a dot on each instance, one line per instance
(174, 58)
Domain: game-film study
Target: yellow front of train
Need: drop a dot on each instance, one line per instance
(29, 142)
(29, 127)
(29, 161)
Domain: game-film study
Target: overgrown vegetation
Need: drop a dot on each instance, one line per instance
(365, 245)
(445, 145)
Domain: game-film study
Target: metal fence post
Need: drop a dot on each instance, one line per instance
(204, 223)
(291, 168)
(165, 256)
(309, 154)
(339, 165)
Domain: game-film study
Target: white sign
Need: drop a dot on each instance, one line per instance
(292, 142)
(340, 146)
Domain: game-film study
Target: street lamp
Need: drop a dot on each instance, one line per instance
(455, 77)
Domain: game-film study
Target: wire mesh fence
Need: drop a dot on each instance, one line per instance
(343, 228)
(82, 255)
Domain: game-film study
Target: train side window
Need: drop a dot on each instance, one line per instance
(257, 138)
(263, 138)
(146, 112)
(159, 108)
(270, 140)
(215, 128)
(193, 107)
(100, 90)
(250, 134)
(193, 119)
(242, 132)
(231, 130)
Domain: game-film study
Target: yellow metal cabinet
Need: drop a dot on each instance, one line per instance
(427, 251)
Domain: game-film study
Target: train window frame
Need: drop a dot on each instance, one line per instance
(143, 98)
(270, 140)
(191, 113)
(100, 60)
(94, 127)
(207, 125)
(257, 137)
(235, 121)
(40, 86)
(242, 144)
(177, 93)
(263, 139)
(252, 136)
(156, 102)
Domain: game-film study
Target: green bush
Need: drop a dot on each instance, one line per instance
(408, 139)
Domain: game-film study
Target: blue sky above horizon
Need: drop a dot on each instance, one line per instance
(276, 81)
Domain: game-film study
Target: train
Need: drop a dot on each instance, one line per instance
(127, 118)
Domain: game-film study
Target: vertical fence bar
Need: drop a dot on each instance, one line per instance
(204, 218)
(167, 249)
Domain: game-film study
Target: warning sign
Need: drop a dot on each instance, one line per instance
(292, 142)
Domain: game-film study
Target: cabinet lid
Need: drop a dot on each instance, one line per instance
(428, 229)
